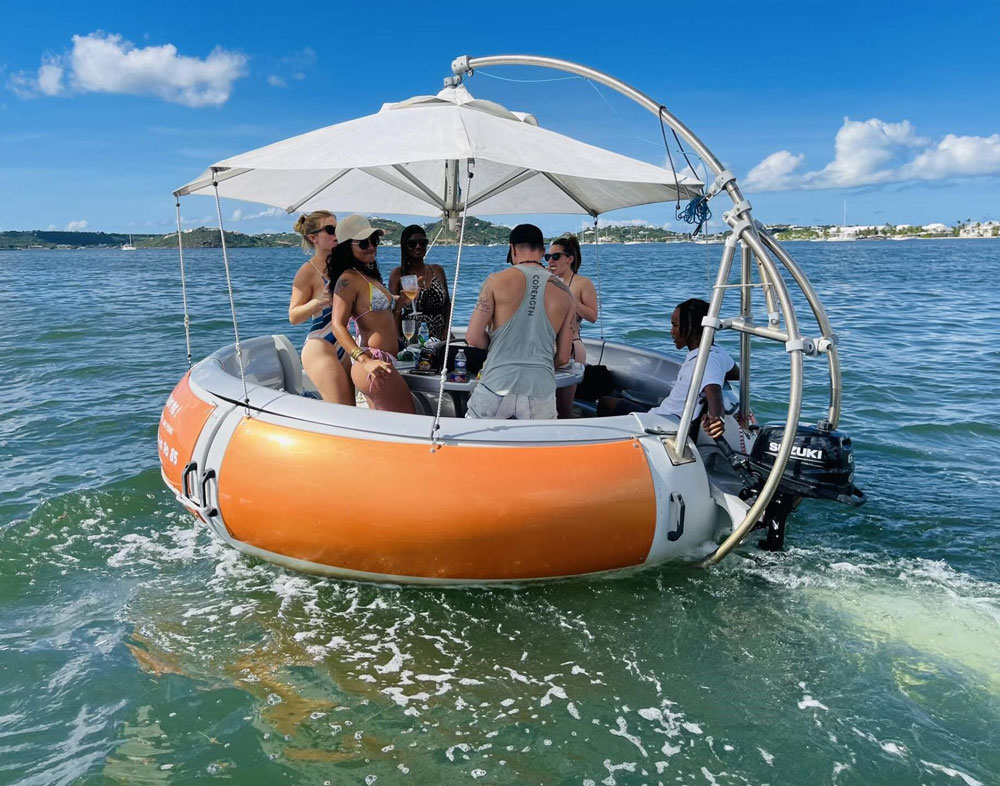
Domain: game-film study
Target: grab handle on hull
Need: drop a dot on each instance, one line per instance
(677, 508)
(186, 495)
(192, 466)
(207, 511)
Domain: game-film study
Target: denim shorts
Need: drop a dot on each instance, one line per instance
(484, 403)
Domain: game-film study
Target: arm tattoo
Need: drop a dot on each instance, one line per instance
(484, 304)
(343, 283)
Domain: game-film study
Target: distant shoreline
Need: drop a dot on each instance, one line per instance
(480, 245)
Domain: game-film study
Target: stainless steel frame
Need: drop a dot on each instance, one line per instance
(755, 245)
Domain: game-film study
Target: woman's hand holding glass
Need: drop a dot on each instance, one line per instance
(410, 286)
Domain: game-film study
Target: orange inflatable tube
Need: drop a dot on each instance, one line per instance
(471, 512)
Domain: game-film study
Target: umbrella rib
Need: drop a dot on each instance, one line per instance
(566, 190)
(316, 191)
(218, 176)
(431, 196)
(498, 188)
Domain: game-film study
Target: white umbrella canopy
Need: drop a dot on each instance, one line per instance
(410, 158)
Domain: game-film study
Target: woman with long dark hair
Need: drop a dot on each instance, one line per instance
(433, 305)
(564, 260)
(359, 294)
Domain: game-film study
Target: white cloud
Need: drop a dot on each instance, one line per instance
(76, 226)
(874, 152)
(50, 77)
(268, 212)
(863, 150)
(774, 173)
(275, 81)
(106, 63)
(956, 155)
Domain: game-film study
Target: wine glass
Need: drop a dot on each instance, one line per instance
(409, 328)
(411, 288)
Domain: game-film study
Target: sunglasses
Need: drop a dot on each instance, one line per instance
(328, 229)
(556, 256)
(363, 244)
(415, 243)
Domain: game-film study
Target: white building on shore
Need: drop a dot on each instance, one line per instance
(981, 229)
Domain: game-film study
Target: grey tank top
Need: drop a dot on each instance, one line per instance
(521, 355)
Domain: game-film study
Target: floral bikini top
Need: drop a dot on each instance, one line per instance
(378, 300)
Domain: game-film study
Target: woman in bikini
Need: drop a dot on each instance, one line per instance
(433, 305)
(322, 359)
(358, 293)
(564, 261)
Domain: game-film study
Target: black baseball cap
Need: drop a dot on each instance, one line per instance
(525, 233)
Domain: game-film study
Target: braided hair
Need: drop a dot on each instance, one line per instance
(404, 238)
(689, 316)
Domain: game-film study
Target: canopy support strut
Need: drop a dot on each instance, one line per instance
(184, 297)
(232, 302)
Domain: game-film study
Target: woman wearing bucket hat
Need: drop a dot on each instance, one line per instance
(358, 293)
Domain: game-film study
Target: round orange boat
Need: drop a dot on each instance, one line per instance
(276, 473)
(278, 479)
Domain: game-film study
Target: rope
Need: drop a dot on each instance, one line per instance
(526, 81)
(451, 314)
(696, 212)
(232, 302)
(597, 260)
(184, 297)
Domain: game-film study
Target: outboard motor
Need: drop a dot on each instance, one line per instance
(821, 466)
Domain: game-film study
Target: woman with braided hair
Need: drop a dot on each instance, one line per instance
(685, 330)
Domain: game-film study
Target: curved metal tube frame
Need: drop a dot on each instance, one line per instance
(745, 230)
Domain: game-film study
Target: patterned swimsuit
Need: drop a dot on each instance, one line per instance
(432, 306)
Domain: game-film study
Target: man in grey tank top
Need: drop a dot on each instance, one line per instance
(525, 317)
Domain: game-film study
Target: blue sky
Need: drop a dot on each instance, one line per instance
(893, 108)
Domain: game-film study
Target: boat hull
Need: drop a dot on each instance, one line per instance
(293, 480)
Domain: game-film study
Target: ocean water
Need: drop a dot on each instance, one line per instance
(136, 649)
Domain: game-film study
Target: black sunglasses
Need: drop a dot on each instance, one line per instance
(363, 244)
(328, 229)
(556, 255)
(416, 242)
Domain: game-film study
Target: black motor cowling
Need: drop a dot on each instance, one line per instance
(821, 465)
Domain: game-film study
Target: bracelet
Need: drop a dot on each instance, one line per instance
(356, 353)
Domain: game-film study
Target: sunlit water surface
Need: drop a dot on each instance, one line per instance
(136, 649)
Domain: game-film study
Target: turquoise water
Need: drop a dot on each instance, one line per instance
(136, 649)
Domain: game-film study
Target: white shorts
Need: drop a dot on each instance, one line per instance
(484, 403)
